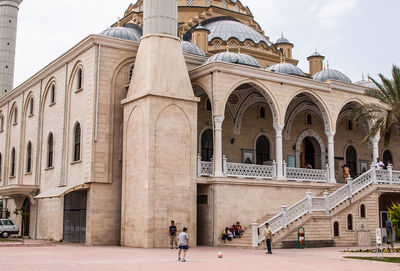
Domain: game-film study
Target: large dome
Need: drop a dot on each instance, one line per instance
(234, 58)
(126, 33)
(366, 84)
(226, 29)
(286, 68)
(190, 48)
(330, 74)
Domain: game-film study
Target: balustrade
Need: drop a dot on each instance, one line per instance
(305, 174)
(249, 170)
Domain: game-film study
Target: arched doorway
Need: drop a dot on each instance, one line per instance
(262, 150)
(307, 153)
(207, 145)
(351, 160)
(75, 216)
(26, 208)
(310, 149)
(387, 157)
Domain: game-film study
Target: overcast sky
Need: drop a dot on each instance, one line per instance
(356, 36)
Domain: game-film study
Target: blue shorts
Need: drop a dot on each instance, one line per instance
(184, 247)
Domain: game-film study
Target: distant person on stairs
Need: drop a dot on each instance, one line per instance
(346, 172)
(268, 238)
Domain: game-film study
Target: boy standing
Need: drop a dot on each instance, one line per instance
(172, 235)
(268, 238)
(183, 238)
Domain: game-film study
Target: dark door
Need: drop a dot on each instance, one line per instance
(26, 208)
(307, 153)
(262, 150)
(207, 147)
(387, 157)
(75, 216)
(351, 161)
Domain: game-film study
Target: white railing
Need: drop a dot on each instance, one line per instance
(249, 170)
(204, 168)
(326, 203)
(305, 174)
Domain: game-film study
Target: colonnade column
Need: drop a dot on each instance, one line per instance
(375, 148)
(279, 151)
(218, 172)
(331, 156)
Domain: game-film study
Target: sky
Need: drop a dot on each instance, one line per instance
(356, 36)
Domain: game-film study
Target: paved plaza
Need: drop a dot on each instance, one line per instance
(70, 257)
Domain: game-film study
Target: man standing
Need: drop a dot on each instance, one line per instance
(172, 235)
(183, 244)
(389, 231)
(379, 164)
(268, 238)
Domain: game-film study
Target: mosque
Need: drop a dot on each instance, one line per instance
(188, 111)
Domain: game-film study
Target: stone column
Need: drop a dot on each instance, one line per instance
(218, 172)
(375, 148)
(279, 151)
(331, 156)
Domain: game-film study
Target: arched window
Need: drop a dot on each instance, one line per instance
(130, 74)
(12, 166)
(52, 93)
(262, 150)
(350, 222)
(362, 211)
(349, 125)
(29, 157)
(351, 160)
(308, 119)
(207, 146)
(79, 79)
(15, 115)
(77, 142)
(262, 112)
(336, 229)
(31, 106)
(208, 104)
(50, 146)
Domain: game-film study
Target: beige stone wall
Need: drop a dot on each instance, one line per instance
(50, 219)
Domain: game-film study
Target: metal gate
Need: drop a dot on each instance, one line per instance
(75, 216)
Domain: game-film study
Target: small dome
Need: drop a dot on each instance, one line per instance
(191, 48)
(126, 33)
(282, 40)
(286, 68)
(234, 58)
(316, 54)
(200, 27)
(330, 74)
(366, 84)
(226, 29)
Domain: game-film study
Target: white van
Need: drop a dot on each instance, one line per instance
(8, 227)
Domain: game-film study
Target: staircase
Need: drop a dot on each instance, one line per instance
(286, 222)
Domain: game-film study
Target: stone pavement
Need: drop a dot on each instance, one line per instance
(72, 257)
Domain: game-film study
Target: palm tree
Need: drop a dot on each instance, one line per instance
(385, 113)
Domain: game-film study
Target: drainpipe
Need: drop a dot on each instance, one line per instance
(212, 215)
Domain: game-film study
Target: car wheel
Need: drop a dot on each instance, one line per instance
(5, 234)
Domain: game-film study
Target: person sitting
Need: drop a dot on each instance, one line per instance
(225, 235)
(238, 230)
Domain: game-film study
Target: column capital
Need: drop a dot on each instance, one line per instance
(375, 139)
(278, 129)
(330, 134)
(218, 120)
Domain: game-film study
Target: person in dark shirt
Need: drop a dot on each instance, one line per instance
(172, 235)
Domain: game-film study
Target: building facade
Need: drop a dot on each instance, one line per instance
(207, 123)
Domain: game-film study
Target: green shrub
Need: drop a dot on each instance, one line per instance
(394, 216)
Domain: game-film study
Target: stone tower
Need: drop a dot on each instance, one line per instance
(8, 35)
(160, 120)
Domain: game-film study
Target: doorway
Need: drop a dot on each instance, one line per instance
(26, 208)
(75, 216)
(387, 158)
(262, 150)
(351, 160)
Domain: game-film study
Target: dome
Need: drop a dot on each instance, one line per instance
(126, 33)
(286, 68)
(330, 74)
(191, 48)
(226, 29)
(366, 84)
(282, 40)
(315, 54)
(234, 58)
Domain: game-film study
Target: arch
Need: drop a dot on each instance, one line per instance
(79, 78)
(12, 162)
(261, 112)
(263, 150)
(336, 232)
(206, 144)
(53, 93)
(346, 113)
(11, 114)
(351, 159)
(47, 90)
(318, 101)
(363, 211)
(387, 157)
(77, 142)
(29, 157)
(349, 222)
(26, 210)
(264, 91)
(313, 134)
(50, 150)
(31, 106)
